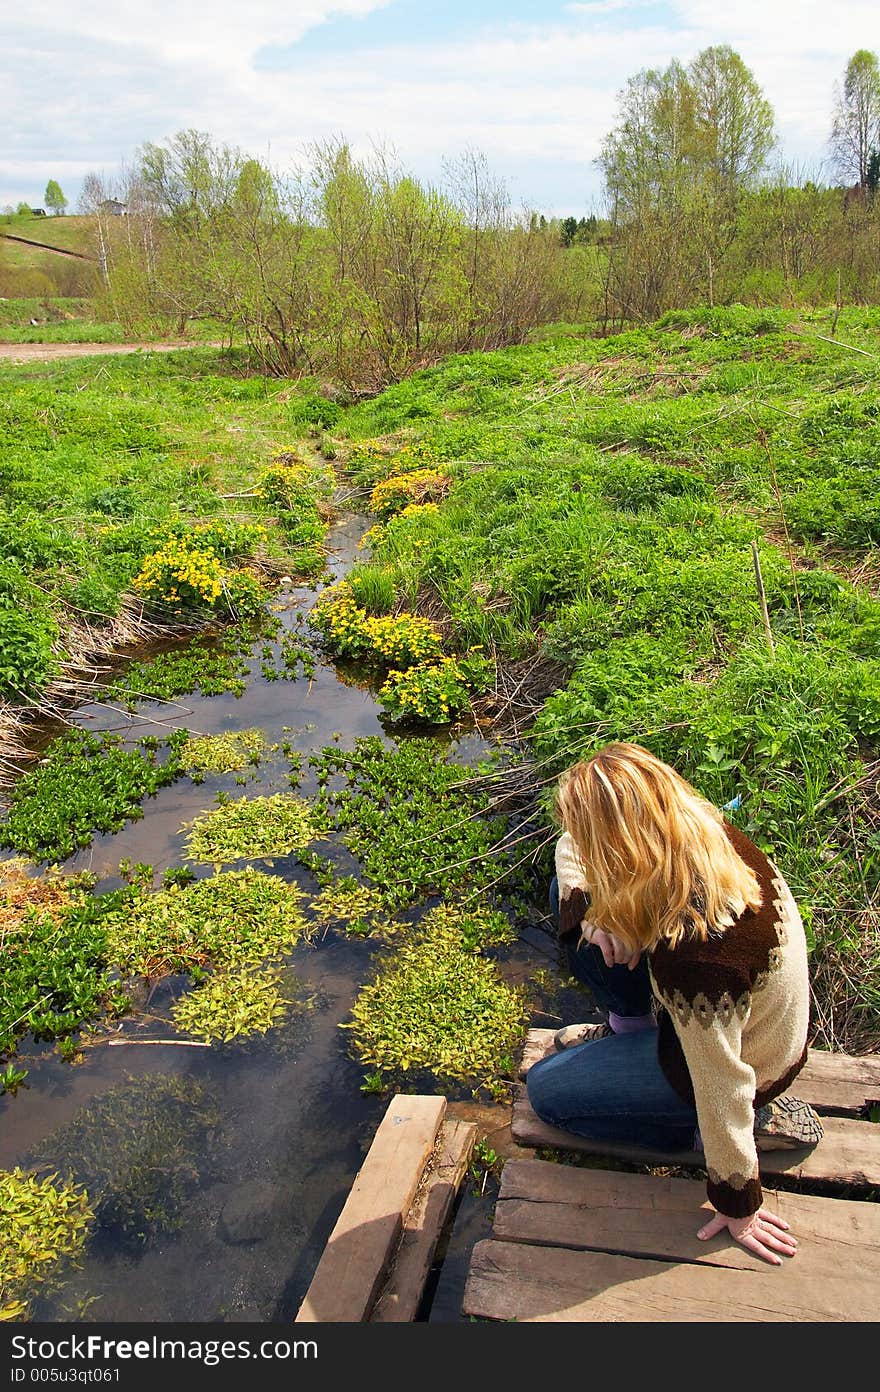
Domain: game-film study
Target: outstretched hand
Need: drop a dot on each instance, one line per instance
(762, 1233)
(614, 952)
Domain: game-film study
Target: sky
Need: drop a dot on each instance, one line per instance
(531, 84)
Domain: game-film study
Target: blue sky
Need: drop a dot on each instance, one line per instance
(530, 83)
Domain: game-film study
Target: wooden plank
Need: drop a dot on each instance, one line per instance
(355, 1260)
(840, 1084)
(515, 1281)
(657, 1216)
(849, 1152)
(400, 1300)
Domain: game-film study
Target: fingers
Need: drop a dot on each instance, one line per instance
(634, 961)
(715, 1225)
(767, 1217)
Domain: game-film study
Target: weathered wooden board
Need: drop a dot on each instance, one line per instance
(516, 1281)
(655, 1216)
(400, 1299)
(832, 1083)
(355, 1261)
(849, 1152)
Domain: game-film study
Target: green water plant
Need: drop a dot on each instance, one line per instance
(252, 828)
(85, 784)
(234, 1004)
(44, 1226)
(226, 921)
(436, 1005)
(223, 753)
(139, 1151)
(357, 908)
(411, 818)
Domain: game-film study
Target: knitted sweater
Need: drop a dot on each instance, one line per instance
(733, 1014)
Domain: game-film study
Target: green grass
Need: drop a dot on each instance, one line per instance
(100, 458)
(605, 497)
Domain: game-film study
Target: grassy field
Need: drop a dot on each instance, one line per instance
(69, 233)
(32, 271)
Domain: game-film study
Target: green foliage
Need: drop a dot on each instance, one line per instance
(225, 753)
(357, 908)
(254, 828)
(436, 1006)
(227, 921)
(44, 1227)
(233, 1005)
(410, 818)
(211, 670)
(139, 1150)
(84, 784)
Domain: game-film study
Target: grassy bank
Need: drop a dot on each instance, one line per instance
(138, 497)
(601, 501)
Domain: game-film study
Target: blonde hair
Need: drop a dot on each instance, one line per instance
(656, 858)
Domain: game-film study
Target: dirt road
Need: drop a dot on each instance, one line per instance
(45, 352)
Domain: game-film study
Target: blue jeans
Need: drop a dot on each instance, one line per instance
(612, 1089)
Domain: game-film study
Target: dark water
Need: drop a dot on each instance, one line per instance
(234, 1161)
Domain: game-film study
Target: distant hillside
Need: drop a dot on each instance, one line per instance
(34, 271)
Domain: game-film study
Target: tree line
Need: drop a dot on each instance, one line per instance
(356, 269)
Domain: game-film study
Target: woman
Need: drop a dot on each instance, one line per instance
(691, 942)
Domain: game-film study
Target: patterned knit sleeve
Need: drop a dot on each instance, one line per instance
(724, 1092)
(573, 898)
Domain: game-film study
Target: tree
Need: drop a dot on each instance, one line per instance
(54, 198)
(732, 118)
(855, 128)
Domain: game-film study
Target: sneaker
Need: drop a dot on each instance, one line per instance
(570, 1035)
(785, 1123)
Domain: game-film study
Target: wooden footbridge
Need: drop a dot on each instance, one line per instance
(578, 1235)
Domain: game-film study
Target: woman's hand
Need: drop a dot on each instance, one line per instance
(614, 952)
(762, 1233)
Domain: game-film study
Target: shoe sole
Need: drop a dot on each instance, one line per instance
(787, 1124)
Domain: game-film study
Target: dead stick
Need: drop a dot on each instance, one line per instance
(181, 1043)
(762, 599)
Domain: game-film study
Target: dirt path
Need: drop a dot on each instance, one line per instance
(45, 352)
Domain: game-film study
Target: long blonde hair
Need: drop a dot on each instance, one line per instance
(656, 858)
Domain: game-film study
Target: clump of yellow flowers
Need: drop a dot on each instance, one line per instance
(394, 493)
(181, 575)
(385, 640)
(435, 692)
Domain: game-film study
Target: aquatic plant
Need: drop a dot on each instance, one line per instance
(210, 670)
(358, 909)
(234, 1004)
(53, 976)
(411, 820)
(236, 919)
(295, 659)
(252, 828)
(139, 1151)
(436, 1006)
(84, 784)
(44, 1226)
(224, 753)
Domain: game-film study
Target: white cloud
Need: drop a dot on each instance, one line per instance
(89, 83)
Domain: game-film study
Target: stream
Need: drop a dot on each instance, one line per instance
(230, 1163)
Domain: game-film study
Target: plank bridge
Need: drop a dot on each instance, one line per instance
(592, 1232)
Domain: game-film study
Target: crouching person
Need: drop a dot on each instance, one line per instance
(693, 947)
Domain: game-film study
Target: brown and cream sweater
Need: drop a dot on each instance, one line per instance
(733, 1014)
